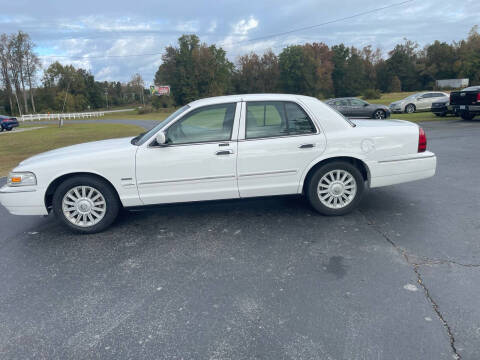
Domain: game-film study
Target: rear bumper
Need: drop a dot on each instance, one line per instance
(466, 108)
(27, 200)
(406, 169)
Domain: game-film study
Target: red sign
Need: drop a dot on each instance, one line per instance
(160, 90)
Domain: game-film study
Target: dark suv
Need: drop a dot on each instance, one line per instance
(466, 102)
(353, 107)
(7, 122)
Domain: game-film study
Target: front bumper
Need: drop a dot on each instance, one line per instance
(403, 169)
(396, 109)
(24, 200)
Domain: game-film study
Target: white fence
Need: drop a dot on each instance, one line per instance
(80, 115)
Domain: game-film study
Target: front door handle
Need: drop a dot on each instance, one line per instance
(306, 146)
(224, 152)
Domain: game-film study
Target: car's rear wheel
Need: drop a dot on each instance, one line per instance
(410, 108)
(8, 129)
(86, 204)
(335, 188)
(379, 114)
(467, 116)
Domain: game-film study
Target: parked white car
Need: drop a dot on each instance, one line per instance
(222, 148)
(417, 102)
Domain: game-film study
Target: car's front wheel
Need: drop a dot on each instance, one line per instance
(410, 108)
(379, 114)
(335, 188)
(86, 204)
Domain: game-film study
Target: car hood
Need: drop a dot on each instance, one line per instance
(90, 148)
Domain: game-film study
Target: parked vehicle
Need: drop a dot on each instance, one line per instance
(220, 148)
(417, 102)
(466, 102)
(353, 107)
(7, 123)
(442, 107)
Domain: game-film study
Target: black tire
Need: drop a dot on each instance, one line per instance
(379, 114)
(467, 116)
(110, 195)
(410, 108)
(8, 129)
(313, 184)
(1, 128)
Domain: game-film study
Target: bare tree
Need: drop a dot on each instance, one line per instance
(138, 84)
(4, 68)
(32, 64)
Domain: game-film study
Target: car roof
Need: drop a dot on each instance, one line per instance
(249, 97)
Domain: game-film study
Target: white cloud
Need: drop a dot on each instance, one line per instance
(244, 26)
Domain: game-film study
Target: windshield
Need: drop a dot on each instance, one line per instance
(413, 96)
(140, 139)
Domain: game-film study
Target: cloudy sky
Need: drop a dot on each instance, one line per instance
(104, 36)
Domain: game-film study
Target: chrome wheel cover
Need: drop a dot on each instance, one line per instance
(337, 189)
(84, 206)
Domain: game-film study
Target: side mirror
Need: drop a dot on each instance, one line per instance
(366, 104)
(161, 138)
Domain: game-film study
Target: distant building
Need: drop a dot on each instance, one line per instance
(452, 83)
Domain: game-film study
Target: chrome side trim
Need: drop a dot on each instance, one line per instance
(16, 190)
(407, 159)
(269, 173)
(187, 180)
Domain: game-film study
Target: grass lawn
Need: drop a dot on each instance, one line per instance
(17, 147)
(132, 115)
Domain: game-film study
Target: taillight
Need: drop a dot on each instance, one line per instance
(422, 141)
(478, 97)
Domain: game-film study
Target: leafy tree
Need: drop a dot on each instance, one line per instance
(194, 70)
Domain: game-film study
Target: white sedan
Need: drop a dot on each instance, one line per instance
(222, 148)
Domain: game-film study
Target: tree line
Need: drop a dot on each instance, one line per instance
(194, 70)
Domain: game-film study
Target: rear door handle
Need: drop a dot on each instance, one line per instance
(224, 152)
(306, 146)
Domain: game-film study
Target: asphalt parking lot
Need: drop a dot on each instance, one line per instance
(259, 278)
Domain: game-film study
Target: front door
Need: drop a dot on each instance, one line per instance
(198, 161)
(278, 141)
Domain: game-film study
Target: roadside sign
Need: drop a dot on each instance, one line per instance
(160, 90)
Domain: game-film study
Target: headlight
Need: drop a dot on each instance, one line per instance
(21, 179)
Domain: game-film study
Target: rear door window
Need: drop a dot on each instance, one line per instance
(276, 118)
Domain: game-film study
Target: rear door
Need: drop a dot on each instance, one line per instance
(277, 141)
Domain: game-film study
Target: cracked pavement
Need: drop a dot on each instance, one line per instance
(258, 278)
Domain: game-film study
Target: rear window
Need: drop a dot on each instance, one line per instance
(472, 88)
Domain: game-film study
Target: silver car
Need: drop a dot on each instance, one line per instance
(417, 102)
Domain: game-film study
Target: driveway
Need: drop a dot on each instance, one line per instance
(258, 278)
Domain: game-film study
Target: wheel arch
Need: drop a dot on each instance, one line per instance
(48, 198)
(355, 161)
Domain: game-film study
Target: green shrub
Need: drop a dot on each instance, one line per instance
(372, 94)
(144, 110)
